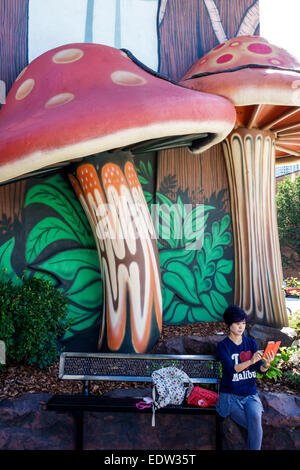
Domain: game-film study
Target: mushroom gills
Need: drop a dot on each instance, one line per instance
(41, 172)
(192, 141)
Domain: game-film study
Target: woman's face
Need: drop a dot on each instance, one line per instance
(238, 328)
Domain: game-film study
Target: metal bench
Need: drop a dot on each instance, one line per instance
(86, 367)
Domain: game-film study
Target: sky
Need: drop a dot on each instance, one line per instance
(279, 23)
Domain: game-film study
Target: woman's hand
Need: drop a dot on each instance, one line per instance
(268, 359)
(257, 356)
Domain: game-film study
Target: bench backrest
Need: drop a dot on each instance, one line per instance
(135, 367)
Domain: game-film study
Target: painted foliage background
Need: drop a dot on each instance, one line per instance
(42, 227)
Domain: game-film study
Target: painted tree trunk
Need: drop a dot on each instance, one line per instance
(112, 197)
(14, 39)
(250, 160)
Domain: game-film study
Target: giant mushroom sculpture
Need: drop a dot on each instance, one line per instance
(262, 81)
(79, 100)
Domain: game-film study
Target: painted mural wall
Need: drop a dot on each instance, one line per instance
(43, 228)
(44, 232)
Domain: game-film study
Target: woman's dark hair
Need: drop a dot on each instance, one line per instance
(234, 314)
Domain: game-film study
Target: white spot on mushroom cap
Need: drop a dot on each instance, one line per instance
(66, 56)
(126, 78)
(25, 89)
(59, 100)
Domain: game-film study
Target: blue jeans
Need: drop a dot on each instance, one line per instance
(245, 411)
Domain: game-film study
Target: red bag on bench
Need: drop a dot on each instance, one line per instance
(202, 397)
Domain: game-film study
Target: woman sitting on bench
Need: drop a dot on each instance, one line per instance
(241, 359)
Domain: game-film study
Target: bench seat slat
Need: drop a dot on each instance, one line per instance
(93, 403)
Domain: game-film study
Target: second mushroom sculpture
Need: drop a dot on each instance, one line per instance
(262, 81)
(90, 104)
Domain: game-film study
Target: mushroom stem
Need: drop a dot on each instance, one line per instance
(112, 197)
(250, 161)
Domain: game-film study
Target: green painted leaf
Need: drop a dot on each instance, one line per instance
(65, 264)
(150, 171)
(226, 238)
(167, 297)
(85, 277)
(213, 254)
(221, 283)
(180, 312)
(143, 180)
(161, 198)
(81, 319)
(203, 284)
(81, 266)
(219, 302)
(89, 296)
(220, 237)
(207, 242)
(56, 194)
(176, 313)
(149, 197)
(215, 228)
(199, 314)
(206, 300)
(6, 251)
(167, 256)
(168, 312)
(217, 252)
(210, 306)
(45, 232)
(224, 223)
(210, 269)
(180, 279)
(225, 266)
(200, 258)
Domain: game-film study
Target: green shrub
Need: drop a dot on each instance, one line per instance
(7, 301)
(286, 358)
(274, 372)
(32, 319)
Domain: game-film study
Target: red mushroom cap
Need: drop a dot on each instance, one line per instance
(81, 99)
(261, 80)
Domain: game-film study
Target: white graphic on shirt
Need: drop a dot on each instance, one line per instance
(235, 358)
(245, 374)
